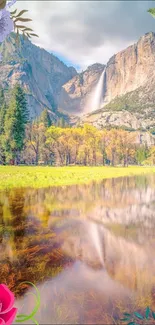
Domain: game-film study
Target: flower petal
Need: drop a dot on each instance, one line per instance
(11, 3)
(9, 317)
(6, 25)
(2, 321)
(6, 298)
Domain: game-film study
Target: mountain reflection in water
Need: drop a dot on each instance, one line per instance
(88, 248)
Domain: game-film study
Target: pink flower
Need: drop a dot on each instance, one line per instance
(7, 311)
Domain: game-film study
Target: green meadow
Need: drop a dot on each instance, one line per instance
(38, 177)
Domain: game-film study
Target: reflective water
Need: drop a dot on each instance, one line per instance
(89, 249)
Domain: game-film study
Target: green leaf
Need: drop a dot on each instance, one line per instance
(138, 315)
(152, 11)
(24, 317)
(28, 29)
(22, 19)
(126, 314)
(147, 312)
(125, 319)
(153, 314)
(32, 34)
(131, 323)
(21, 13)
(13, 12)
(34, 321)
(20, 26)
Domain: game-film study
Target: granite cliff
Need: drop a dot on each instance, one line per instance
(128, 88)
(40, 73)
(130, 69)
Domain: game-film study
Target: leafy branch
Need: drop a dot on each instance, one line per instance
(17, 19)
(132, 319)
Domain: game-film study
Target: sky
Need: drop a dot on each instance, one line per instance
(81, 33)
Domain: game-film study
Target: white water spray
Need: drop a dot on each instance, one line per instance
(96, 97)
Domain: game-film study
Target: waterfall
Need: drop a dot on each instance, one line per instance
(96, 97)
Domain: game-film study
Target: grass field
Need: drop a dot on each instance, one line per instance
(37, 177)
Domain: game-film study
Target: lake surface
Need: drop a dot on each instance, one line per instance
(90, 249)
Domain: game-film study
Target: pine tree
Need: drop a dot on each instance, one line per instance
(2, 99)
(45, 118)
(3, 109)
(2, 119)
(16, 119)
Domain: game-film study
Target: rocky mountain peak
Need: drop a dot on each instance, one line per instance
(148, 35)
(95, 67)
(40, 73)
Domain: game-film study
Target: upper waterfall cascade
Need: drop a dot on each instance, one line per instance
(96, 97)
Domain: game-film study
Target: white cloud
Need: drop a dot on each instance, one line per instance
(86, 32)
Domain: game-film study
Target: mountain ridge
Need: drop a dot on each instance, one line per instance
(128, 89)
(39, 72)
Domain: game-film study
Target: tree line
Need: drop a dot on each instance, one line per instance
(42, 141)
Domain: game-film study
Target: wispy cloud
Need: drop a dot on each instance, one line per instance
(86, 32)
